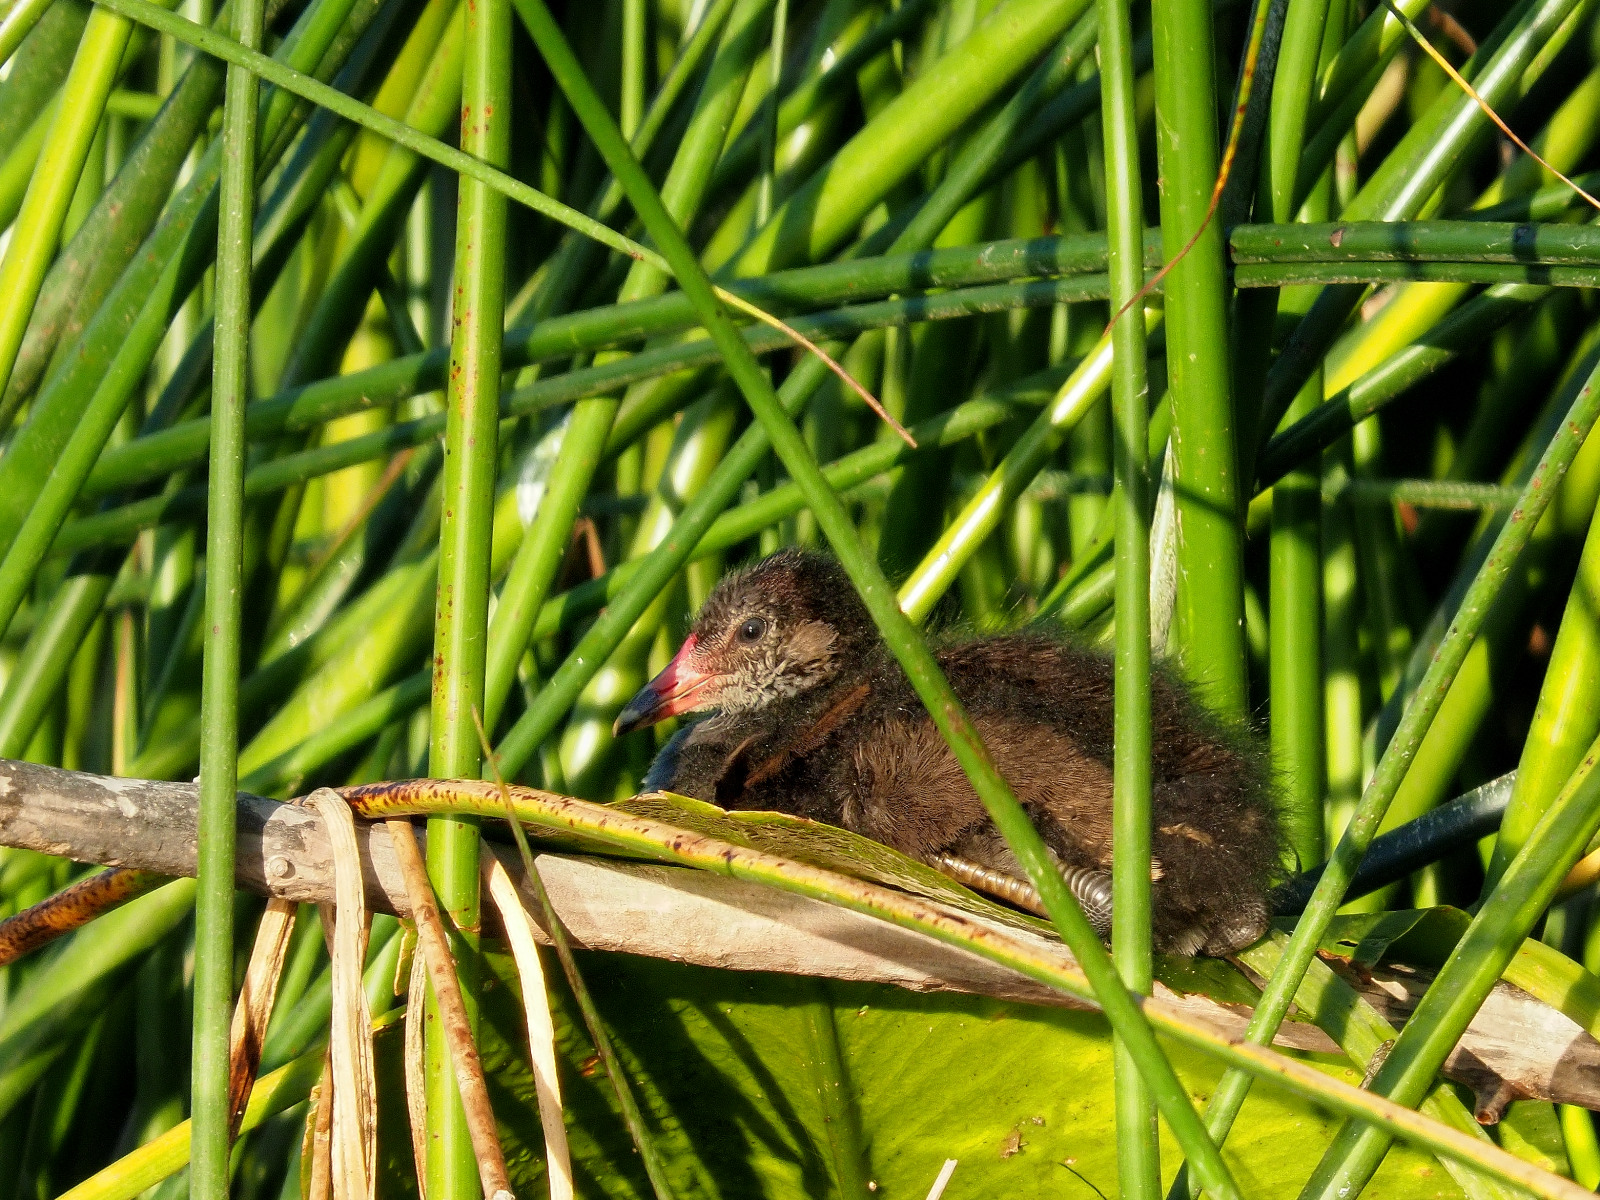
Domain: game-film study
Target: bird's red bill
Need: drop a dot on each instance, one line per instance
(680, 688)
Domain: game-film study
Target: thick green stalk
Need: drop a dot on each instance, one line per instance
(1138, 1148)
(1497, 568)
(55, 178)
(219, 748)
(631, 106)
(1209, 621)
(1497, 932)
(1295, 657)
(902, 636)
(465, 541)
(1295, 580)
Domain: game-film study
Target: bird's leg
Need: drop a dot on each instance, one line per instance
(1091, 888)
(979, 878)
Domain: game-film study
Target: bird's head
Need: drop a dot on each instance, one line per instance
(781, 627)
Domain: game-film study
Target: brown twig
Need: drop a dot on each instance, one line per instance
(72, 908)
(828, 360)
(452, 1012)
(1453, 30)
(584, 529)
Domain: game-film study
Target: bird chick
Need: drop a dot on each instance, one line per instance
(812, 716)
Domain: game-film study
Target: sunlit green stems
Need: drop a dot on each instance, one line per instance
(1138, 1148)
(55, 178)
(583, 442)
(116, 347)
(219, 699)
(1529, 885)
(920, 119)
(88, 266)
(900, 634)
(466, 528)
(1431, 151)
(1567, 716)
(982, 514)
(1429, 697)
(303, 408)
(1209, 621)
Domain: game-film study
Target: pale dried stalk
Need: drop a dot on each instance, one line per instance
(942, 1180)
(541, 1028)
(355, 1129)
(416, 1078)
(254, 1008)
(316, 1172)
(452, 1012)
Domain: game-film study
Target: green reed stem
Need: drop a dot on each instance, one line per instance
(219, 702)
(1209, 621)
(1565, 720)
(1138, 1148)
(466, 527)
(1432, 150)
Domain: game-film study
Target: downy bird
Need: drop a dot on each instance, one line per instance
(811, 715)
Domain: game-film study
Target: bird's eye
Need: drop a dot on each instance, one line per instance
(752, 630)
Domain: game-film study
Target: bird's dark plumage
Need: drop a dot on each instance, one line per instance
(814, 717)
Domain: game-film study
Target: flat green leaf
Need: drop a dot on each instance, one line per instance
(726, 1067)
